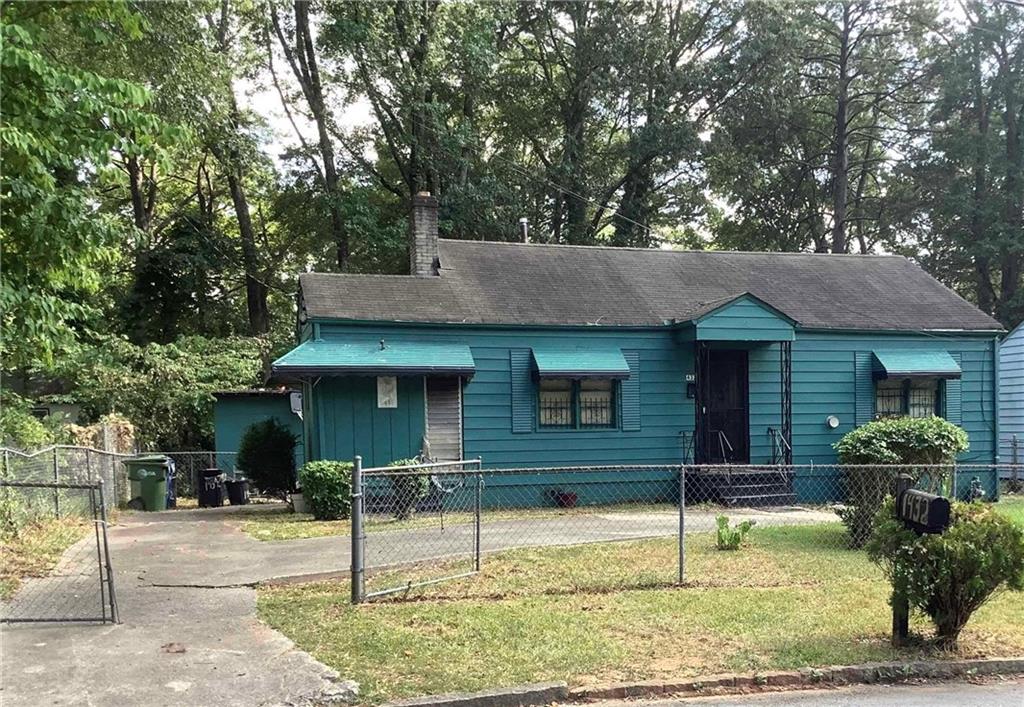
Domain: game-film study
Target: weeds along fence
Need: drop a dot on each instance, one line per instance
(609, 527)
(63, 572)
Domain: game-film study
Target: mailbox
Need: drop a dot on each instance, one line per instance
(923, 512)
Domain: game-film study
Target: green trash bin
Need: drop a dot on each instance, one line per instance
(147, 477)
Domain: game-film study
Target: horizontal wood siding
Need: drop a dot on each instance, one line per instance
(1011, 395)
(744, 320)
(825, 383)
(664, 410)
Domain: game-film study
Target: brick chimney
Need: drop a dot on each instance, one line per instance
(423, 255)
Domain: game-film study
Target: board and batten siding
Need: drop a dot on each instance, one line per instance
(1011, 394)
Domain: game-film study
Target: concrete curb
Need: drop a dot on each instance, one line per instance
(832, 676)
(543, 693)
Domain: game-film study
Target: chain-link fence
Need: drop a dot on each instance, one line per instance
(56, 562)
(69, 464)
(610, 527)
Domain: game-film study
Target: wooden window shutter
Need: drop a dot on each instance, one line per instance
(630, 390)
(522, 390)
(864, 388)
(952, 398)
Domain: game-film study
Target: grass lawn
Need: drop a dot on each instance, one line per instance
(35, 550)
(1012, 505)
(792, 598)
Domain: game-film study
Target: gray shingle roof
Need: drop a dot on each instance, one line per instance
(511, 283)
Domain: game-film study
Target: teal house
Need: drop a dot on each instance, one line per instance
(535, 355)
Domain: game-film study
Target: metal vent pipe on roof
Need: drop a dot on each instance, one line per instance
(524, 229)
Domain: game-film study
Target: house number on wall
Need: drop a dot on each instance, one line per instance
(387, 392)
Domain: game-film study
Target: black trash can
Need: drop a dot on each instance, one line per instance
(172, 492)
(211, 489)
(238, 491)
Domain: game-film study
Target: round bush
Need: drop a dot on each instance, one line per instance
(895, 440)
(408, 489)
(267, 456)
(950, 576)
(327, 488)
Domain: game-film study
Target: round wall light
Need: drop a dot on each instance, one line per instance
(832, 421)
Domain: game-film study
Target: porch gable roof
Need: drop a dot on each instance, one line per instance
(744, 317)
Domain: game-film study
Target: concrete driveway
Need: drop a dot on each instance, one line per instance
(185, 583)
(180, 645)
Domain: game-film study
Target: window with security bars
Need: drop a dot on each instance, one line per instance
(555, 403)
(922, 398)
(568, 403)
(597, 403)
(911, 398)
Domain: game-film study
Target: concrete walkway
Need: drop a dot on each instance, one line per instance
(190, 635)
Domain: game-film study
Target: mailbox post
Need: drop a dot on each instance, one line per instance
(923, 513)
(900, 604)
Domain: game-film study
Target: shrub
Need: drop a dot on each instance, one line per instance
(267, 455)
(895, 440)
(730, 538)
(408, 489)
(949, 576)
(327, 488)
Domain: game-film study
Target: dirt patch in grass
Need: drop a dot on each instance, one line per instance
(36, 549)
(282, 524)
(792, 598)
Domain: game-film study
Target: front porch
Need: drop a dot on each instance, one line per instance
(742, 347)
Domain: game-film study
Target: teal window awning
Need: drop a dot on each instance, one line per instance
(589, 362)
(375, 358)
(912, 363)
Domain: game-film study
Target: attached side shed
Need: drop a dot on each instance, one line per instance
(1011, 396)
(235, 410)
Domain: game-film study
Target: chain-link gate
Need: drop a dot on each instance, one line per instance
(62, 572)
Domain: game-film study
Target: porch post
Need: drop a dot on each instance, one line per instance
(786, 376)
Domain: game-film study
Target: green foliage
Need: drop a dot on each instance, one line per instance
(19, 428)
(894, 440)
(731, 538)
(266, 453)
(61, 126)
(327, 488)
(903, 440)
(166, 391)
(408, 489)
(950, 576)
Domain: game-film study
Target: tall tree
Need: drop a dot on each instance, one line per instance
(61, 127)
(295, 39)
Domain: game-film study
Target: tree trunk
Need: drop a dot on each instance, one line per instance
(313, 91)
(1013, 188)
(255, 289)
(841, 155)
(979, 195)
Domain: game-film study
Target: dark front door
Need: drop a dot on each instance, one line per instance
(723, 411)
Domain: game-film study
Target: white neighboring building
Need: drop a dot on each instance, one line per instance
(1011, 395)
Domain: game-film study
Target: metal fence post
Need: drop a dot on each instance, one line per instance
(476, 519)
(356, 571)
(1015, 459)
(682, 523)
(56, 480)
(106, 554)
